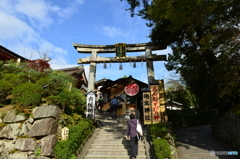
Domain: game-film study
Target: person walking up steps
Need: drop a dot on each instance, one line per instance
(114, 106)
(132, 133)
(100, 104)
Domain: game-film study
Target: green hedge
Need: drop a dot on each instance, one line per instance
(160, 145)
(78, 135)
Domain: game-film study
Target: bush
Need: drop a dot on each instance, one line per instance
(54, 100)
(161, 148)
(5, 89)
(69, 100)
(78, 134)
(14, 79)
(27, 94)
(158, 130)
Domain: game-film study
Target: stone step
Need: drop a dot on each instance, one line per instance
(112, 156)
(115, 151)
(120, 141)
(123, 131)
(109, 137)
(104, 132)
(108, 128)
(114, 145)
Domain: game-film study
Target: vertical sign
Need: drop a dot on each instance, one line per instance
(120, 50)
(90, 105)
(162, 101)
(147, 113)
(155, 103)
(65, 132)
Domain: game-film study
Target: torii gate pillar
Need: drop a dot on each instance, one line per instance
(92, 72)
(149, 65)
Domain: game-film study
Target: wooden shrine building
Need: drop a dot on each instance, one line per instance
(6, 55)
(129, 103)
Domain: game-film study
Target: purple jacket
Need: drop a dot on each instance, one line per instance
(131, 128)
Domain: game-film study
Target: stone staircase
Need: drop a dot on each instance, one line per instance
(109, 141)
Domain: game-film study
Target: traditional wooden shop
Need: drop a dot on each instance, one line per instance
(128, 92)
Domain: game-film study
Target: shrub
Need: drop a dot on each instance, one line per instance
(59, 81)
(5, 89)
(54, 100)
(158, 130)
(14, 79)
(27, 94)
(161, 148)
(69, 100)
(78, 134)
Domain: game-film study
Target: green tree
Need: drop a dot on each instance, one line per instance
(204, 38)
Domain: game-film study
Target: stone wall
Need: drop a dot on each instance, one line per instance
(227, 129)
(30, 138)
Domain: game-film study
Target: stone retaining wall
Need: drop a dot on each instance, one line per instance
(32, 138)
(227, 129)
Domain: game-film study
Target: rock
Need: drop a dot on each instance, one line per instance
(10, 131)
(18, 155)
(35, 157)
(46, 111)
(44, 127)
(11, 117)
(30, 120)
(25, 128)
(6, 145)
(48, 143)
(25, 144)
(4, 155)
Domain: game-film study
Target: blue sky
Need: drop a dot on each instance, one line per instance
(32, 28)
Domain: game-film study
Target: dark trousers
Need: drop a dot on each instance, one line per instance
(114, 111)
(134, 146)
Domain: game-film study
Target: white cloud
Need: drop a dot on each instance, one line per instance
(112, 31)
(12, 28)
(37, 12)
(22, 19)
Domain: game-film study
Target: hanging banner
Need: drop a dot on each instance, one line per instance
(147, 112)
(156, 116)
(131, 89)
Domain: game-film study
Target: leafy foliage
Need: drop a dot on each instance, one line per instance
(68, 98)
(161, 146)
(27, 94)
(78, 134)
(39, 65)
(204, 36)
(158, 130)
(5, 89)
(29, 86)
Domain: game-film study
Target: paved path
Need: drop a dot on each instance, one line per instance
(197, 143)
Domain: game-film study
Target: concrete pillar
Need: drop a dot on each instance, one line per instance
(149, 64)
(92, 72)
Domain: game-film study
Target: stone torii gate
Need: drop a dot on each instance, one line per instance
(94, 50)
(94, 59)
